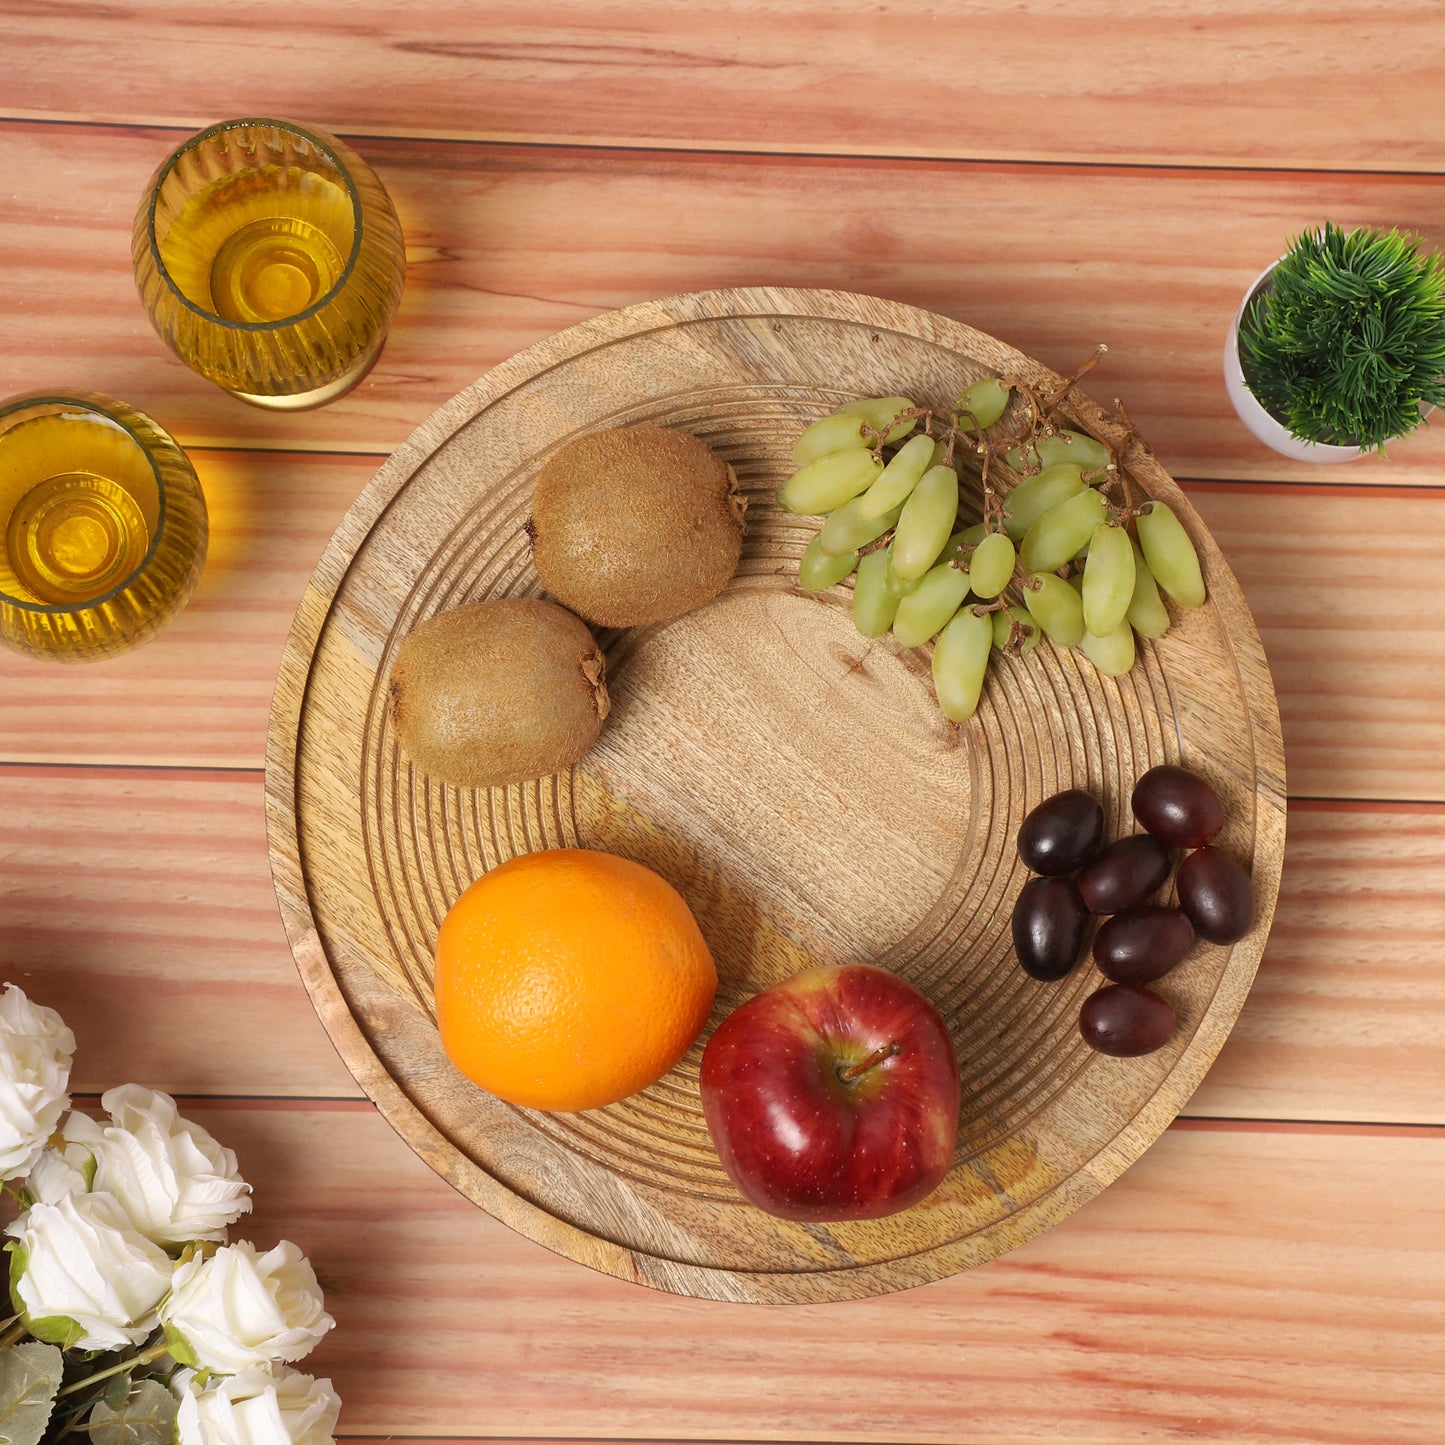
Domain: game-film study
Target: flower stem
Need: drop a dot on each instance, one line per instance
(14, 1332)
(144, 1358)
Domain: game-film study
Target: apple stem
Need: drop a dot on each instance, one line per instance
(856, 1071)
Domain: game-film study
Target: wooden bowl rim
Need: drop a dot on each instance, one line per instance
(407, 1114)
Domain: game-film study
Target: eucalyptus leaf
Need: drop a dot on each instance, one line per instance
(147, 1417)
(117, 1391)
(29, 1377)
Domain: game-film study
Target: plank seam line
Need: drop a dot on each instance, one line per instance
(1356, 490)
(20, 766)
(349, 1102)
(257, 449)
(208, 769)
(1238, 1125)
(1223, 1123)
(553, 1439)
(723, 148)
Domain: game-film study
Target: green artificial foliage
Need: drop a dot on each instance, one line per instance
(1346, 340)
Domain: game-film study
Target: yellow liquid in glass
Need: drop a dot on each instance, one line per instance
(262, 245)
(78, 508)
(74, 537)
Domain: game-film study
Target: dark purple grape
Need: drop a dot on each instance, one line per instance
(1126, 1021)
(1049, 921)
(1124, 874)
(1142, 944)
(1177, 806)
(1062, 833)
(1215, 891)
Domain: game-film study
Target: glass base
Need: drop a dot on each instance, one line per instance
(303, 400)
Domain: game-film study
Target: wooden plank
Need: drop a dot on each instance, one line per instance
(509, 244)
(1347, 1015)
(1359, 688)
(1249, 1286)
(140, 903)
(199, 694)
(1338, 83)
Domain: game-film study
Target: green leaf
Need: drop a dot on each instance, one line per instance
(178, 1347)
(147, 1417)
(19, 1259)
(1346, 340)
(29, 1377)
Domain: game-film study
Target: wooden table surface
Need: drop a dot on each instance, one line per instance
(1274, 1268)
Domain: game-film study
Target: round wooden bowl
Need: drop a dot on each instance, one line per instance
(793, 779)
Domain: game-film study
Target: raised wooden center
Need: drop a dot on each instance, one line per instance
(806, 765)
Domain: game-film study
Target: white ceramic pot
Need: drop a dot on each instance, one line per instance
(1272, 432)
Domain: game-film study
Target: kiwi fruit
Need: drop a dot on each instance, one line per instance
(496, 692)
(635, 525)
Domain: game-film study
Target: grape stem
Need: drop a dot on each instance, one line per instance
(1070, 382)
(1018, 634)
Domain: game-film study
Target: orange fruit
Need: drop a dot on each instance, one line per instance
(568, 979)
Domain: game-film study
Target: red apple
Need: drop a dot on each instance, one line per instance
(833, 1095)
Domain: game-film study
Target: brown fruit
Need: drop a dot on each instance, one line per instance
(636, 525)
(496, 692)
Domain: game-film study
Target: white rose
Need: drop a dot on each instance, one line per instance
(171, 1177)
(63, 1169)
(83, 1263)
(237, 1308)
(260, 1406)
(35, 1053)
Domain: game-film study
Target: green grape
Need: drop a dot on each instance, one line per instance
(831, 434)
(958, 550)
(991, 567)
(926, 522)
(899, 477)
(985, 400)
(1108, 579)
(873, 604)
(897, 586)
(960, 662)
(879, 411)
(825, 484)
(1063, 446)
(848, 529)
(1147, 614)
(940, 454)
(1057, 608)
(959, 547)
(1061, 531)
(1036, 494)
(1008, 623)
(924, 610)
(1113, 653)
(1170, 554)
(817, 570)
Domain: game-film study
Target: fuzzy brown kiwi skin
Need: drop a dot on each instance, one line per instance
(497, 692)
(636, 525)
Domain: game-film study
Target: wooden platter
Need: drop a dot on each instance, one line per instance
(794, 780)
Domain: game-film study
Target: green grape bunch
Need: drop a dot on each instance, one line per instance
(1063, 550)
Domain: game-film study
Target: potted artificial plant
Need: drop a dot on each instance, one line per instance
(1340, 345)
